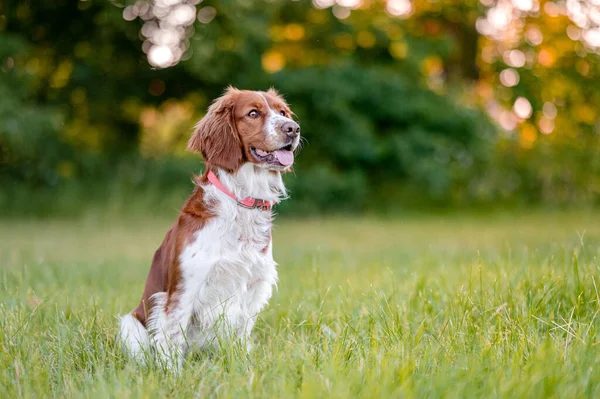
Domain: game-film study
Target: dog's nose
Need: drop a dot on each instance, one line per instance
(290, 128)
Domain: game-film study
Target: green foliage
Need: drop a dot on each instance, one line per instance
(391, 108)
(550, 173)
(369, 132)
(372, 129)
(30, 149)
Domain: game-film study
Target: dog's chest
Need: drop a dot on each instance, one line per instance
(228, 270)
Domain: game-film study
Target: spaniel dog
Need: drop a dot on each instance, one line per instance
(214, 271)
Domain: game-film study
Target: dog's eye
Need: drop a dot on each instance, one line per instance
(254, 113)
(282, 112)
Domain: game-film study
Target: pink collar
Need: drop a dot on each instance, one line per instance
(247, 202)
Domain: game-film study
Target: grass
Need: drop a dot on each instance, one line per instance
(449, 306)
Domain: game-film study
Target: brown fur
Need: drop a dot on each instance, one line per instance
(216, 136)
(165, 273)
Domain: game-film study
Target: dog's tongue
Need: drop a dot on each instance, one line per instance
(284, 157)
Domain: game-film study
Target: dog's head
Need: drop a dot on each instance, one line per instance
(247, 126)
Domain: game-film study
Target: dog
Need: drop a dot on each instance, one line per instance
(214, 271)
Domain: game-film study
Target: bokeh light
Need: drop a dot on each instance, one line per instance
(206, 14)
(522, 108)
(505, 18)
(507, 120)
(167, 27)
(399, 8)
(514, 58)
(340, 12)
(546, 125)
(509, 77)
(549, 110)
(351, 4)
(323, 3)
(161, 56)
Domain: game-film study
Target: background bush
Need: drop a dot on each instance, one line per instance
(397, 112)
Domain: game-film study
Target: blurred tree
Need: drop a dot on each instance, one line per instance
(370, 123)
(388, 92)
(84, 59)
(373, 135)
(540, 68)
(26, 129)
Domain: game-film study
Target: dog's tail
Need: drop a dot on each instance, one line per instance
(133, 337)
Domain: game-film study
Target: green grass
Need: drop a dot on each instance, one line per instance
(449, 306)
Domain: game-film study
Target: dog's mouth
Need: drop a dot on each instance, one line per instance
(281, 157)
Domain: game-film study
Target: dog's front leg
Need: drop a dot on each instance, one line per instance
(168, 325)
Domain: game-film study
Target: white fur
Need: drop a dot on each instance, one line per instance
(274, 121)
(227, 275)
(134, 337)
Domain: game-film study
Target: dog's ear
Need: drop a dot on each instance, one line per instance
(216, 137)
(273, 91)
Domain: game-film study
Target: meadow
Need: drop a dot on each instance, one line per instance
(461, 305)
